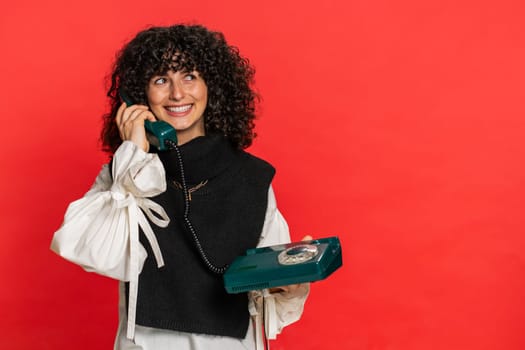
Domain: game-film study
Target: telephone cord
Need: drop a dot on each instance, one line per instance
(204, 256)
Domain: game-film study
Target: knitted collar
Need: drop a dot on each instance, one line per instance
(203, 158)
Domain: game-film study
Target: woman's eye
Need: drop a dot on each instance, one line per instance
(189, 77)
(159, 81)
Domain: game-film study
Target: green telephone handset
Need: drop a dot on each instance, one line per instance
(157, 132)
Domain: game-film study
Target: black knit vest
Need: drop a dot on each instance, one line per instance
(229, 193)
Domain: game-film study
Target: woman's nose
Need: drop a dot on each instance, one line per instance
(177, 91)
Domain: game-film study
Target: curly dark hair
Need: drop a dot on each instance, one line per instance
(230, 110)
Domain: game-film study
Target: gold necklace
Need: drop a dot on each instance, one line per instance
(191, 189)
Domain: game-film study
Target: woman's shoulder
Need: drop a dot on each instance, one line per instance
(256, 167)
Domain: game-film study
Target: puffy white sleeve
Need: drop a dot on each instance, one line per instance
(284, 308)
(100, 231)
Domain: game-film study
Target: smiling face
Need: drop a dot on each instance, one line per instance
(180, 99)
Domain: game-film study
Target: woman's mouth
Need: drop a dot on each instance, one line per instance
(178, 110)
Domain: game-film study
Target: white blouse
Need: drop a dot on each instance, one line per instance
(113, 206)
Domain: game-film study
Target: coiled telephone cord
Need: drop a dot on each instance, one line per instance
(202, 253)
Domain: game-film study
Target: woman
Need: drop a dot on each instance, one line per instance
(217, 198)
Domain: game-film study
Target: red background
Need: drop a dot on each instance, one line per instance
(396, 125)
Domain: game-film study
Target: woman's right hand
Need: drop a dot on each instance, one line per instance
(130, 122)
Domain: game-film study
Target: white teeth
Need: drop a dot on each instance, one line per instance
(179, 109)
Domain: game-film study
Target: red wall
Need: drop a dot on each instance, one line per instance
(396, 125)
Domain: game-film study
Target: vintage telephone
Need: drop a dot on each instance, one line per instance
(284, 264)
(157, 132)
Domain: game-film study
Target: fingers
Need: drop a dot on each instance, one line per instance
(307, 238)
(289, 288)
(281, 289)
(127, 115)
(130, 122)
(286, 289)
(120, 111)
